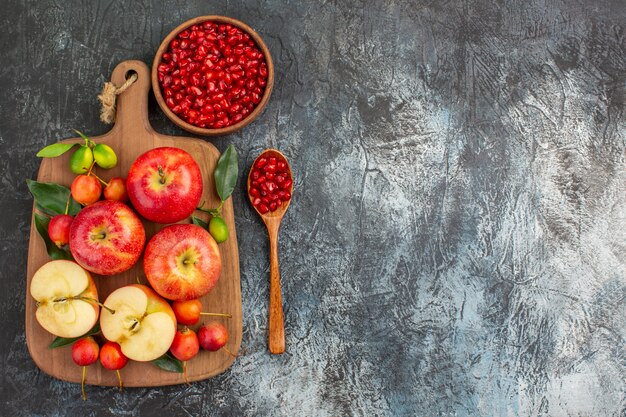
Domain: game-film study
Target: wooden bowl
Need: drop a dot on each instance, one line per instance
(156, 87)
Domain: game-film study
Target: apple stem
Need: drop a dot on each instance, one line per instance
(82, 383)
(230, 316)
(162, 175)
(119, 378)
(67, 205)
(89, 299)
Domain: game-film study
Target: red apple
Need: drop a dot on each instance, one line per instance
(107, 238)
(164, 185)
(182, 262)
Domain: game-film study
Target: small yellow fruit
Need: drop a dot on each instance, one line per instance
(105, 156)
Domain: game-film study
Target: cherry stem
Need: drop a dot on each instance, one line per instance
(106, 184)
(93, 164)
(119, 378)
(82, 383)
(229, 352)
(67, 205)
(185, 373)
(230, 316)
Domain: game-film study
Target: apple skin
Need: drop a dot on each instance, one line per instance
(107, 238)
(165, 185)
(182, 262)
(144, 325)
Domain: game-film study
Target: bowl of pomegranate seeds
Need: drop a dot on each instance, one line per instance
(212, 75)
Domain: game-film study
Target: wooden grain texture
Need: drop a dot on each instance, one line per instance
(131, 136)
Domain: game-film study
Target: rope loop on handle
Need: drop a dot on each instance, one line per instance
(108, 96)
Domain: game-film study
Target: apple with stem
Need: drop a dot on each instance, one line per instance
(188, 312)
(182, 262)
(143, 324)
(84, 353)
(165, 185)
(107, 238)
(113, 359)
(67, 298)
(184, 347)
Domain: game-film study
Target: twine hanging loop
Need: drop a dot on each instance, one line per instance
(108, 96)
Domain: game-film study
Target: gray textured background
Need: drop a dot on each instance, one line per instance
(456, 244)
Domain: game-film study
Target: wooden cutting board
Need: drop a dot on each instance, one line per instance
(131, 136)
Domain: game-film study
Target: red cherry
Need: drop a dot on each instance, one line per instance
(111, 356)
(85, 351)
(185, 345)
(86, 189)
(187, 312)
(59, 229)
(213, 336)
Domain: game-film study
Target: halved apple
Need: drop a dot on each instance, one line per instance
(143, 324)
(66, 298)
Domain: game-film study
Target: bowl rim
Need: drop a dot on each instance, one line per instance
(156, 87)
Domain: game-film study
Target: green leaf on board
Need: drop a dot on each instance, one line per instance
(226, 173)
(52, 198)
(41, 224)
(54, 150)
(197, 221)
(64, 341)
(169, 363)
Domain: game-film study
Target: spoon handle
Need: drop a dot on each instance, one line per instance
(276, 322)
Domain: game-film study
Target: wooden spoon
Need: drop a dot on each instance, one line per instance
(272, 221)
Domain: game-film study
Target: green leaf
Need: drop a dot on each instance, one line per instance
(56, 149)
(169, 363)
(226, 173)
(41, 224)
(64, 341)
(51, 198)
(197, 221)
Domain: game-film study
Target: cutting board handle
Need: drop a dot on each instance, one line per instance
(132, 104)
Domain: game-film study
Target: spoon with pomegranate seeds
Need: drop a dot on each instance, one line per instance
(270, 184)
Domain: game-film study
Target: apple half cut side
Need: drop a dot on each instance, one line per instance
(143, 323)
(66, 298)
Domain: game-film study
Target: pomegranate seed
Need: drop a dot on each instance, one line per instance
(273, 206)
(270, 167)
(287, 196)
(287, 184)
(261, 163)
(269, 175)
(254, 192)
(263, 208)
(279, 179)
(256, 201)
(281, 165)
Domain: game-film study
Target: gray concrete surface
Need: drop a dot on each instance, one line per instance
(456, 244)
